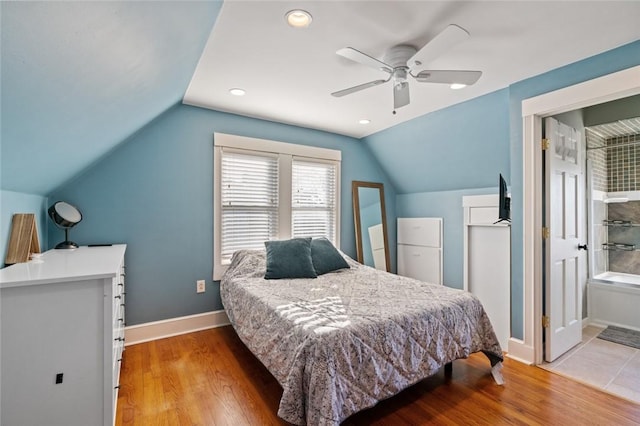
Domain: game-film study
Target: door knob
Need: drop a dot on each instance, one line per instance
(582, 247)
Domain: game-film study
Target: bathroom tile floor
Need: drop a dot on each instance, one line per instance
(606, 365)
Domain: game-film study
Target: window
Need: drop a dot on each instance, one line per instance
(266, 190)
(249, 201)
(313, 205)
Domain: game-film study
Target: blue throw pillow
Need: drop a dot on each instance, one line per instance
(326, 257)
(289, 259)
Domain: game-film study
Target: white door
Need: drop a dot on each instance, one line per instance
(565, 267)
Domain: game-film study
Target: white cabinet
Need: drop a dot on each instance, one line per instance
(420, 248)
(62, 321)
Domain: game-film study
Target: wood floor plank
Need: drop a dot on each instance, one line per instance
(211, 378)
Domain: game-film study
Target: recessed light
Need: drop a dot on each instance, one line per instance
(364, 121)
(298, 18)
(237, 92)
(456, 86)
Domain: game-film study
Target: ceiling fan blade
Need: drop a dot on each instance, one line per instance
(448, 77)
(444, 41)
(364, 59)
(400, 95)
(357, 88)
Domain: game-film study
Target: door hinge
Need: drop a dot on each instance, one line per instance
(545, 233)
(545, 144)
(546, 322)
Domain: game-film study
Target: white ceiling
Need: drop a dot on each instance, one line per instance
(289, 73)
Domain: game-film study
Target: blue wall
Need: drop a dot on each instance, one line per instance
(18, 202)
(462, 146)
(155, 193)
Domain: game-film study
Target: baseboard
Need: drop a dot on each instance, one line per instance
(521, 352)
(174, 326)
(604, 324)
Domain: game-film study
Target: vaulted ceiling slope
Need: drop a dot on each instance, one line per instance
(78, 78)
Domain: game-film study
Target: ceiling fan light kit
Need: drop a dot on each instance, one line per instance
(401, 61)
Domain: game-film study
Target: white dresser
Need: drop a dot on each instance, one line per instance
(420, 248)
(62, 321)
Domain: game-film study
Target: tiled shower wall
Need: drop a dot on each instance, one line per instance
(598, 156)
(623, 163)
(615, 168)
(625, 261)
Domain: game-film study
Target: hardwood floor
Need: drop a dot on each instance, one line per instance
(211, 378)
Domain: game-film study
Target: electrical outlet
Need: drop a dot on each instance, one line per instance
(200, 286)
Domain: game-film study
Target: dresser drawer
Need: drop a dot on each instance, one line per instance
(421, 263)
(420, 231)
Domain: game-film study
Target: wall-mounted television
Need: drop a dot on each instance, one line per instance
(504, 207)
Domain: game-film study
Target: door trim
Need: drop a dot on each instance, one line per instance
(602, 89)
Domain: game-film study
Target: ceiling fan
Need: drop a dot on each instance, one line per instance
(403, 60)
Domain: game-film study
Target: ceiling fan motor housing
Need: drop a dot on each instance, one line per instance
(398, 56)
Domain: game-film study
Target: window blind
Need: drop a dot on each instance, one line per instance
(249, 198)
(313, 203)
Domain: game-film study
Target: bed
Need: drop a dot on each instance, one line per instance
(343, 341)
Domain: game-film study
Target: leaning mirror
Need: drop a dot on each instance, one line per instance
(370, 220)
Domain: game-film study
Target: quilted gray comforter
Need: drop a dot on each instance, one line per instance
(344, 341)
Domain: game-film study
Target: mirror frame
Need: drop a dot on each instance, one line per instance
(357, 223)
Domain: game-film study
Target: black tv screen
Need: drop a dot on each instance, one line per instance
(504, 209)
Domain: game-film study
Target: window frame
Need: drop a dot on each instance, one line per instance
(285, 152)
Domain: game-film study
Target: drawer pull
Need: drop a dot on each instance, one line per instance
(118, 297)
(119, 359)
(116, 387)
(122, 304)
(121, 284)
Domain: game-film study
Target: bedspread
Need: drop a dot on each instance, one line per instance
(342, 342)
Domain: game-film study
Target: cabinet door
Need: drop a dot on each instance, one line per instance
(420, 231)
(422, 263)
(47, 330)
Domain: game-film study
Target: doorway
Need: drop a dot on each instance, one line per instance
(613, 204)
(610, 87)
